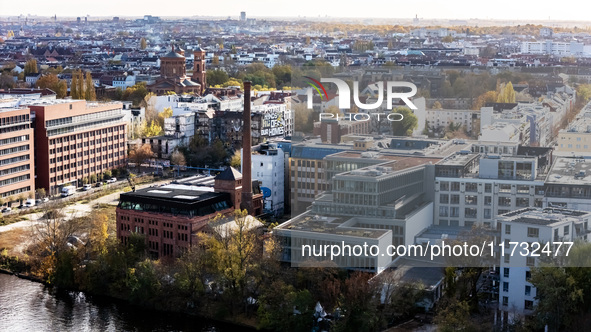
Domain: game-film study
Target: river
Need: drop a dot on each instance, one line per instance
(30, 306)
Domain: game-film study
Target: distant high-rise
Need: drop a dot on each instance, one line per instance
(78, 20)
(243, 16)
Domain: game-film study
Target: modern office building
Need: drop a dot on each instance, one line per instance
(17, 161)
(382, 205)
(75, 139)
(471, 188)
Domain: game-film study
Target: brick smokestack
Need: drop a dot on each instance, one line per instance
(246, 201)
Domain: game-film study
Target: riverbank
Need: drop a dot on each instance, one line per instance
(122, 301)
(31, 306)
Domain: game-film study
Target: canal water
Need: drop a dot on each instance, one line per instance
(30, 306)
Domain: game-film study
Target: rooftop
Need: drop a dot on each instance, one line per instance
(573, 171)
(330, 225)
(544, 217)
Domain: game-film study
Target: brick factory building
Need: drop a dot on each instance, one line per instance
(75, 139)
(171, 217)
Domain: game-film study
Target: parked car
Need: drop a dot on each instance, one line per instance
(99, 184)
(29, 203)
(6, 209)
(112, 180)
(86, 187)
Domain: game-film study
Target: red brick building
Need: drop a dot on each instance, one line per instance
(171, 217)
(75, 139)
(173, 74)
(17, 161)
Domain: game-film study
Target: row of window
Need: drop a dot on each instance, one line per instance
(16, 169)
(16, 191)
(5, 121)
(15, 180)
(14, 160)
(10, 129)
(16, 139)
(15, 149)
(100, 168)
(85, 135)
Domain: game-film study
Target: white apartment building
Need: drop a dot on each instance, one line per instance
(552, 47)
(268, 166)
(533, 225)
(442, 118)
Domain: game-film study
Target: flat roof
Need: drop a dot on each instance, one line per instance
(330, 225)
(544, 217)
(570, 171)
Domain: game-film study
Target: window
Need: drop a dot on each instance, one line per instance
(566, 230)
(533, 232)
(507, 229)
(527, 275)
(488, 187)
(471, 199)
(505, 301)
(455, 186)
(444, 198)
(530, 261)
(487, 200)
(472, 187)
(443, 211)
(528, 305)
(504, 201)
(487, 214)
(505, 287)
(455, 199)
(505, 188)
(527, 290)
(506, 272)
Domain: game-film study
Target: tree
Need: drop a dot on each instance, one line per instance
(233, 252)
(40, 193)
(437, 105)
(31, 67)
(166, 113)
(107, 174)
(507, 94)
(52, 82)
(93, 178)
(143, 43)
(483, 99)
(217, 77)
(408, 123)
(140, 154)
(154, 129)
(447, 39)
(74, 87)
(89, 94)
(50, 238)
(235, 161)
(177, 158)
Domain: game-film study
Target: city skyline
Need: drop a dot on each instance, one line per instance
(457, 9)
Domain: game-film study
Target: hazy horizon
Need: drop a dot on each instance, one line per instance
(502, 10)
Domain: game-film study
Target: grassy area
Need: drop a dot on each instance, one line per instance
(11, 242)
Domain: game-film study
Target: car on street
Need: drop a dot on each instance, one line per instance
(86, 187)
(112, 180)
(6, 209)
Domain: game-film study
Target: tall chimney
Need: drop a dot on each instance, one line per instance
(246, 201)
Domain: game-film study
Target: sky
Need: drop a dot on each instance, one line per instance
(575, 10)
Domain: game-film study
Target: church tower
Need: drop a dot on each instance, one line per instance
(199, 74)
(172, 65)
